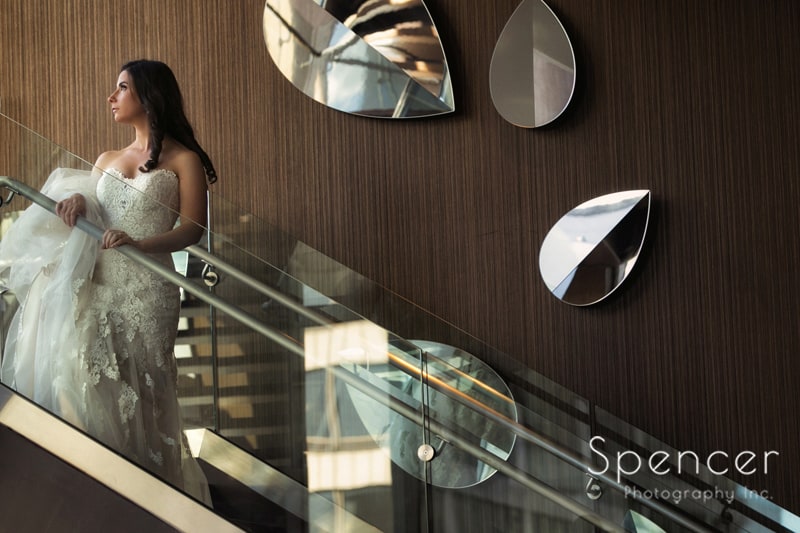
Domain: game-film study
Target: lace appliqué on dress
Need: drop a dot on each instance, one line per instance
(131, 321)
(127, 402)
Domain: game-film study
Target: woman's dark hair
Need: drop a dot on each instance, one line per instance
(161, 97)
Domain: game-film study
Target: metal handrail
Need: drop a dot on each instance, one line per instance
(147, 261)
(501, 419)
(293, 345)
(253, 283)
(525, 433)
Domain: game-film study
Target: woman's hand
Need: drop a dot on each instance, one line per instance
(113, 238)
(71, 208)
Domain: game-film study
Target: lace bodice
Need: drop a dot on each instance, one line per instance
(142, 206)
(130, 297)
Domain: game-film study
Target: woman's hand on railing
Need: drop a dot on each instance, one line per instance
(71, 208)
(114, 237)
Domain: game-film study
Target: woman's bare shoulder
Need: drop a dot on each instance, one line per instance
(105, 159)
(183, 161)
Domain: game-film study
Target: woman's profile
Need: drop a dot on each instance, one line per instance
(94, 336)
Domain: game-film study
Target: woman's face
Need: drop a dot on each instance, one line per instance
(125, 104)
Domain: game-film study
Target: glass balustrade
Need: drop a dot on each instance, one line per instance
(317, 399)
(564, 418)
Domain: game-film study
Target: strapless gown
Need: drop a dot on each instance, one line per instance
(94, 335)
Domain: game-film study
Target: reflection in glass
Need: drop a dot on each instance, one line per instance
(637, 523)
(375, 58)
(532, 74)
(450, 373)
(343, 463)
(593, 248)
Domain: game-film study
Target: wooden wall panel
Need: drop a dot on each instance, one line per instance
(697, 101)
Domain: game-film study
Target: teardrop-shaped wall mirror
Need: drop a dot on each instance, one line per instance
(532, 73)
(593, 248)
(376, 58)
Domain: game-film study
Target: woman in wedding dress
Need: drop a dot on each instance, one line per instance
(93, 338)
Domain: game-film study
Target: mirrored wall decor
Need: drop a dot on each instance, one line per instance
(532, 73)
(376, 58)
(594, 247)
(456, 373)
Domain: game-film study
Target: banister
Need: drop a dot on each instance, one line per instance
(296, 347)
(145, 260)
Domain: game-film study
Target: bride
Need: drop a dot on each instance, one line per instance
(93, 338)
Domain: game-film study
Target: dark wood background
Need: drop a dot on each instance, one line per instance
(695, 100)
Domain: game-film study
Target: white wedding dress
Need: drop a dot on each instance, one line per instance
(93, 338)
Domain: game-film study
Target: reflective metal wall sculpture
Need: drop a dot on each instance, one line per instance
(456, 373)
(532, 74)
(593, 248)
(378, 58)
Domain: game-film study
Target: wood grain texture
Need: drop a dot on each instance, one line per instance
(697, 101)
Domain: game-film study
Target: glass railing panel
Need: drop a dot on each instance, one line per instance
(506, 506)
(314, 279)
(540, 481)
(550, 411)
(521, 487)
(194, 351)
(401, 379)
(31, 158)
(355, 411)
(259, 392)
(315, 407)
(544, 407)
(623, 476)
